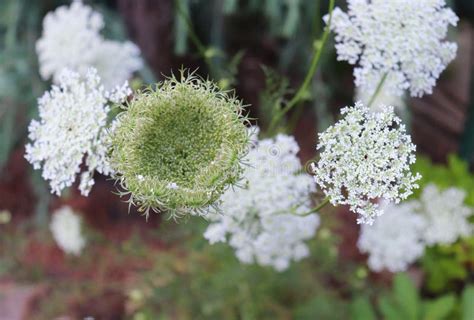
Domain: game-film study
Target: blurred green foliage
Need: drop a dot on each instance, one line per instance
(20, 84)
(196, 280)
(273, 96)
(455, 173)
(405, 302)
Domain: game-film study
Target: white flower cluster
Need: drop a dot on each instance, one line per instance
(71, 130)
(446, 215)
(400, 38)
(261, 218)
(394, 241)
(399, 237)
(71, 39)
(66, 229)
(363, 157)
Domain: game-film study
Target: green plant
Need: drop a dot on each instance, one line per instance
(193, 280)
(405, 302)
(447, 267)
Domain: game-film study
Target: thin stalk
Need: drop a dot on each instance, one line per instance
(193, 36)
(317, 208)
(377, 90)
(309, 76)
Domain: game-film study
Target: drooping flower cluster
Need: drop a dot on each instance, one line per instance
(71, 130)
(446, 215)
(177, 148)
(394, 241)
(363, 157)
(71, 39)
(399, 237)
(67, 231)
(262, 220)
(400, 38)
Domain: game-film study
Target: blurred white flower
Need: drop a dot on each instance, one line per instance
(71, 39)
(446, 215)
(260, 221)
(71, 130)
(66, 229)
(383, 98)
(116, 61)
(394, 241)
(403, 38)
(363, 157)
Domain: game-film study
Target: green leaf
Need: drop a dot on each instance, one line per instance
(406, 295)
(361, 309)
(467, 304)
(389, 311)
(440, 308)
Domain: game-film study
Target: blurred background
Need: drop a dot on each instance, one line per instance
(156, 269)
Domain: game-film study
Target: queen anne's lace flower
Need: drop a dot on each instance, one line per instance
(176, 148)
(260, 220)
(394, 241)
(446, 215)
(71, 39)
(116, 61)
(365, 156)
(71, 131)
(66, 229)
(403, 38)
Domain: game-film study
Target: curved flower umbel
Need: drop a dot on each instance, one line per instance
(72, 130)
(401, 38)
(363, 157)
(261, 220)
(177, 148)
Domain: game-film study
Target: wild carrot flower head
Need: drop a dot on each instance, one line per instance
(72, 130)
(71, 39)
(363, 157)
(260, 220)
(179, 146)
(395, 240)
(403, 38)
(446, 214)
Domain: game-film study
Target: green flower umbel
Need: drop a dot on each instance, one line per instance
(178, 147)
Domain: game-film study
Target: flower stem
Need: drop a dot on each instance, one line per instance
(377, 90)
(193, 36)
(317, 208)
(318, 50)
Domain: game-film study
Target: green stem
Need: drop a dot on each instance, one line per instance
(377, 90)
(193, 36)
(309, 76)
(317, 208)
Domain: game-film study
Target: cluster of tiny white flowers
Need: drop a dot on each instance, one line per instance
(400, 38)
(446, 215)
(394, 241)
(365, 156)
(261, 220)
(71, 39)
(71, 130)
(399, 237)
(66, 229)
